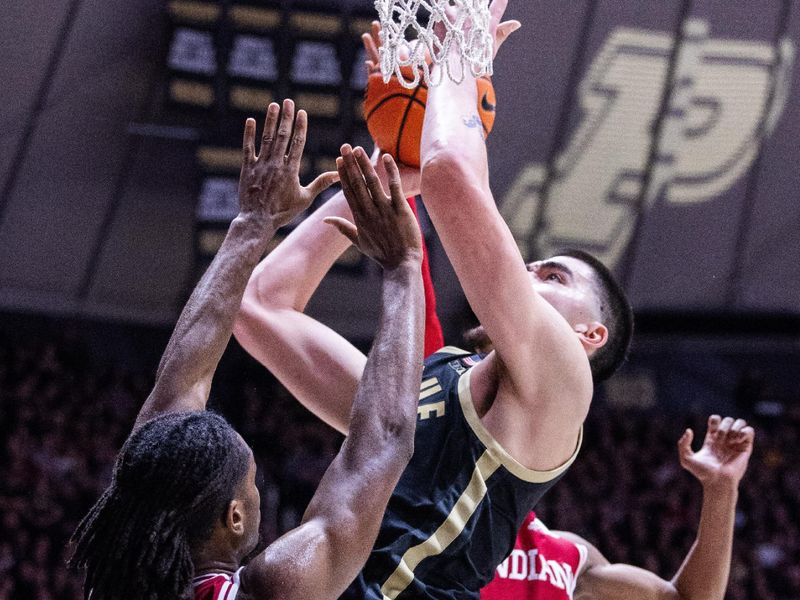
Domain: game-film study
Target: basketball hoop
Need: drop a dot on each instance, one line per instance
(409, 39)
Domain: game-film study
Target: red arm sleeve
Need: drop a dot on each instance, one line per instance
(434, 339)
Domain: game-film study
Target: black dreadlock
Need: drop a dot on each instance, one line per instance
(172, 479)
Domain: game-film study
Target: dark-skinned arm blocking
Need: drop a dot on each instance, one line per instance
(270, 195)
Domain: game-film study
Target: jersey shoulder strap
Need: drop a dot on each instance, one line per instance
(217, 586)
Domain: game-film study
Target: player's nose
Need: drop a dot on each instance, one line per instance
(533, 266)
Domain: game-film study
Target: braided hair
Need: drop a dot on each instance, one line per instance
(173, 479)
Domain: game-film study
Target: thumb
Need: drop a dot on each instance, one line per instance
(345, 227)
(322, 183)
(506, 29)
(685, 445)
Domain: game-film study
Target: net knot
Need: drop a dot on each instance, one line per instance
(453, 34)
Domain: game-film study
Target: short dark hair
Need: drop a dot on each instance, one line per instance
(616, 313)
(173, 478)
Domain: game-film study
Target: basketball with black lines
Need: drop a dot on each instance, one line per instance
(395, 114)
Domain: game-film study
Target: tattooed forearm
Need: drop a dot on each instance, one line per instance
(472, 121)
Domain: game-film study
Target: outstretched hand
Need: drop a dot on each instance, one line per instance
(269, 183)
(409, 176)
(500, 30)
(372, 43)
(384, 227)
(725, 452)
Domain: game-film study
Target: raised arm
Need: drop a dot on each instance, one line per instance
(546, 369)
(322, 556)
(719, 466)
(270, 195)
(318, 366)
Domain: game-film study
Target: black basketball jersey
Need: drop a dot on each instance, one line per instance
(456, 511)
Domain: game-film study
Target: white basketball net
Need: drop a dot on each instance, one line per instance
(400, 17)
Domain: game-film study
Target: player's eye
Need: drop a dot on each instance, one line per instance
(554, 277)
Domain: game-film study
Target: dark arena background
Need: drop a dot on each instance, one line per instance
(661, 136)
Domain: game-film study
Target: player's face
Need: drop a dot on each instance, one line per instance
(568, 286)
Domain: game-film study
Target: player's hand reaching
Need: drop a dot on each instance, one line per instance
(269, 183)
(726, 450)
(372, 43)
(409, 176)
(384, 226)
(500, 30)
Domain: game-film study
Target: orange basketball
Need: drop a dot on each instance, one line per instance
(395, 114)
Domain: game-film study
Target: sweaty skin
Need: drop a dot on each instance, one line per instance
(540, 367)
(320, 557)
(543, 330)
(532, 394)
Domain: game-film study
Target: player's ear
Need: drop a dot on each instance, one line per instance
(234, 517)
(593, 335)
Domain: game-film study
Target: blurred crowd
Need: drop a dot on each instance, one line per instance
(628, 495)
(63, 419)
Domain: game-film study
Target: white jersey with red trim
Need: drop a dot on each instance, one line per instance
(542, 566)
(216, 586)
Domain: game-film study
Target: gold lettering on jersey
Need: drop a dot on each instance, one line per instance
(426, 411)
(428, 383)
(430, 392)
(429, 387)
